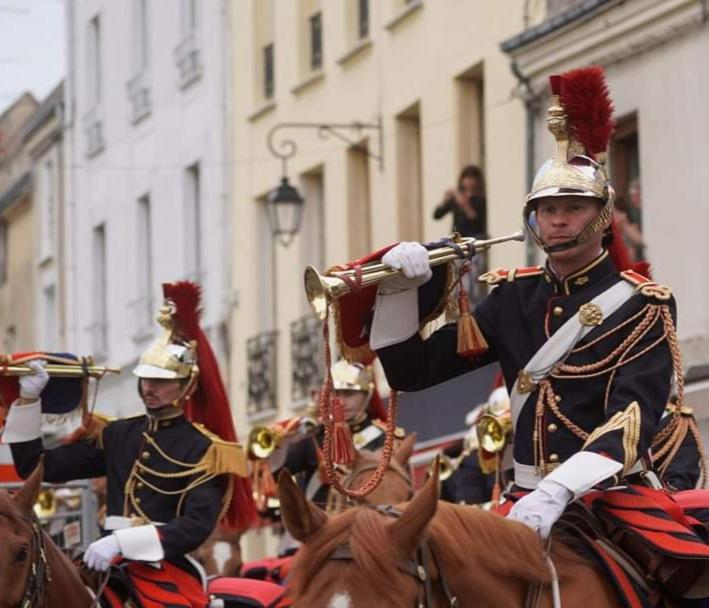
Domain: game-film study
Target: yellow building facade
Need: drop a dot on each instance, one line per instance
(434, 91)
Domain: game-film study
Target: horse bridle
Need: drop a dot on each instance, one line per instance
(419, 568)
(342, 501)
(40, 575)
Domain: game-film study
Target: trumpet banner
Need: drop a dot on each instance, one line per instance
(353, 312)
(61, 396)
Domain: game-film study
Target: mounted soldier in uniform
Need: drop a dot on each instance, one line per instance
(588, 353)
(363, 411)
(172, 473)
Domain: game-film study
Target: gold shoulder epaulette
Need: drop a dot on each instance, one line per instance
(222, 456)
(646, 286)
(493, 277)
(399, 432)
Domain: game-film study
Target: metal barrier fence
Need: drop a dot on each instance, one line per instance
(67, 511)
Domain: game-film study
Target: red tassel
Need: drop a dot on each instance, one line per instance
(342, 446)
(263, 483)
(471, 342)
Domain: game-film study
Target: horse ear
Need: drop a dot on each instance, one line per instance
(27, 494)
(406, 531)
(405, 449)
(300, 517)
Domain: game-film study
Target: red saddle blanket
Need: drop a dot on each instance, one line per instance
(154, 587)
(665, 535)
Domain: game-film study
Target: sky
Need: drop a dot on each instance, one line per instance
(32, 48)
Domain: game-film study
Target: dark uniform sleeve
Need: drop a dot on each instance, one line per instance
(416, 364)
(471, 485)
(81, 460)
(684, 469)
(637, 399)
(200, 516)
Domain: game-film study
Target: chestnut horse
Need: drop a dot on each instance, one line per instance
(395, 487)
(365, 557)
(32, 568)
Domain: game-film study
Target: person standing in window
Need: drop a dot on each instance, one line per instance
(466, 203)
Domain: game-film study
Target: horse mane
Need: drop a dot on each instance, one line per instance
(462, 535)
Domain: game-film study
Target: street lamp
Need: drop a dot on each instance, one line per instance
(285, 212)
(285, 205)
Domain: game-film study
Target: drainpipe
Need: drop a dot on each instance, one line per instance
(531, 106)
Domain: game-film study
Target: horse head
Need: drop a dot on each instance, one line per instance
(18, 538)
(353, 559)
(396, 485)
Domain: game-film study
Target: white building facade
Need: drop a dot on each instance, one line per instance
(147, 186)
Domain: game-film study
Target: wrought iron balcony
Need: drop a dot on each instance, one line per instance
(306, 358)
(261, 356)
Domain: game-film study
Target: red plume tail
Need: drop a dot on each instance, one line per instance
(589, 110)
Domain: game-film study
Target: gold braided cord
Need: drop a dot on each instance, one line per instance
(326, 413)
(568, 423)
(674, 351)
(623, 361)
(618, 358)
(649, 319)
(675, 433)
(170, 459)
(616, 329)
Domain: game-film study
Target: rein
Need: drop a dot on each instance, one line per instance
(341, 501)
(419, 568)
(40, 575)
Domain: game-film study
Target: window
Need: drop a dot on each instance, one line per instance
(94, 62)
(99, 328)
(47, 208)
(189, 14)
(3, 251)
(193, 224)
(268, 74)
(409, 174)
(626, 174)
(140, 33)
(363, 19)
(49, 318)
(358, 202)
(144, 267)
(316, 41)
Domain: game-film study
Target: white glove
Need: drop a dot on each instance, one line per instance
(412, 259)
(101, 552)
(541, 508)
(31, 386)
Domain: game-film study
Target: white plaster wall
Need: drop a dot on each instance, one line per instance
(184, 126)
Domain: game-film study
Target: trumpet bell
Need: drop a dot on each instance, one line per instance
(46, 504)
(446, 467)
(492, 433)
(263, 442)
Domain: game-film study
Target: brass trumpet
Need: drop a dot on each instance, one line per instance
(264, 440)
(493, 432)
(61, 371)
(321, 289)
